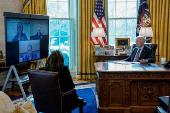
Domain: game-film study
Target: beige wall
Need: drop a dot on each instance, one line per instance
(7, 6)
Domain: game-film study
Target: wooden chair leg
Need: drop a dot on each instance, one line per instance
(80, 108)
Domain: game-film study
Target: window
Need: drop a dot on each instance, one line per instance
(61, 29)
(122, 20)
(58, 8)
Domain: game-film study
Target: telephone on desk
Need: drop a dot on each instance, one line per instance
(167, 64)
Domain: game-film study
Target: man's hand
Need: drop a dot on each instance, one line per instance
(143, 61)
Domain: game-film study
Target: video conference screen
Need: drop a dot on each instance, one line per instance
(26, 40)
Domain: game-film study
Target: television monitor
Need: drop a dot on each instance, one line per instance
(26, 37)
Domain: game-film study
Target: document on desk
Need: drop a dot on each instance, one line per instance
(135, 62)
(125, 62)
(155, 68)
(124, 66)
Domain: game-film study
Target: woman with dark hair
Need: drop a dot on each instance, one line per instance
(20, 36)
(55, 62)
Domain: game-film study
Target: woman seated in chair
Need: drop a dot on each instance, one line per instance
(70, 98)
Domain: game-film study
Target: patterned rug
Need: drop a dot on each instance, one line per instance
(84, 90)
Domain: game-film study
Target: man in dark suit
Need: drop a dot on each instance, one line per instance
(38, 35)
(30, 55)
(141, 53)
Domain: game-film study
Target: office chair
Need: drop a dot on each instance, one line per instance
(153, 46)
(47, 93)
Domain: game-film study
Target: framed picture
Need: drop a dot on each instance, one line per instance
(122, 42)
(96, 45)
(1, 56)
(117, 50)
(111, 48)
(106, 47)
(99, 51)
(128, 50)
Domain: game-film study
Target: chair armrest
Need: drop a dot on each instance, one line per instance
(81, 102)
(81, 99)
(67, 93)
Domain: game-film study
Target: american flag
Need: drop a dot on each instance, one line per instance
(99, 20)
(144, 19)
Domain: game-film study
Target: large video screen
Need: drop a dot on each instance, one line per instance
(27, 38)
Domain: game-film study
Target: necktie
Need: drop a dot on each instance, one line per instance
(137, 56)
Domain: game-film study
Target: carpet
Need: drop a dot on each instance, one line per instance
(84, 90)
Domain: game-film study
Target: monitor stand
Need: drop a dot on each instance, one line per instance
(39, 62)
(12, 67)
(17, 78)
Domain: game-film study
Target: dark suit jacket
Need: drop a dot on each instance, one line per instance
(36, 37)
(34, 56)
(146, 53)
(23, 37)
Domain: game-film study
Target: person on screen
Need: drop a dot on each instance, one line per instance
(38, 35)
(21, 59)
(30, 55)
(55, 63)
(141, 53)
(20, 36)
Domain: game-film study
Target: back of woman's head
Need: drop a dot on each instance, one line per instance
(55, 61)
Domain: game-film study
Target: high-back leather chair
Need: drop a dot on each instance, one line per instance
(153, 46)
(47, 93)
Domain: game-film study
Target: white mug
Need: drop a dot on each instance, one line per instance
(163, 60)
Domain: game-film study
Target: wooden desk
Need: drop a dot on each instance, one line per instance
(130, 88)
(109, 57)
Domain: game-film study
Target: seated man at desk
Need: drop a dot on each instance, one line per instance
(141, 53)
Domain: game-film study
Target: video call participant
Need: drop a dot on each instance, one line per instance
(20, 36)
(141, 53)
(55, 63)
(39, 35)
(30, 55)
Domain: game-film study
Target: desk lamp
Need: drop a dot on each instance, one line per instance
(146, 32)
(98, 32)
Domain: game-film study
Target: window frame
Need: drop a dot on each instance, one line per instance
(72, 39)
(120, 18)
